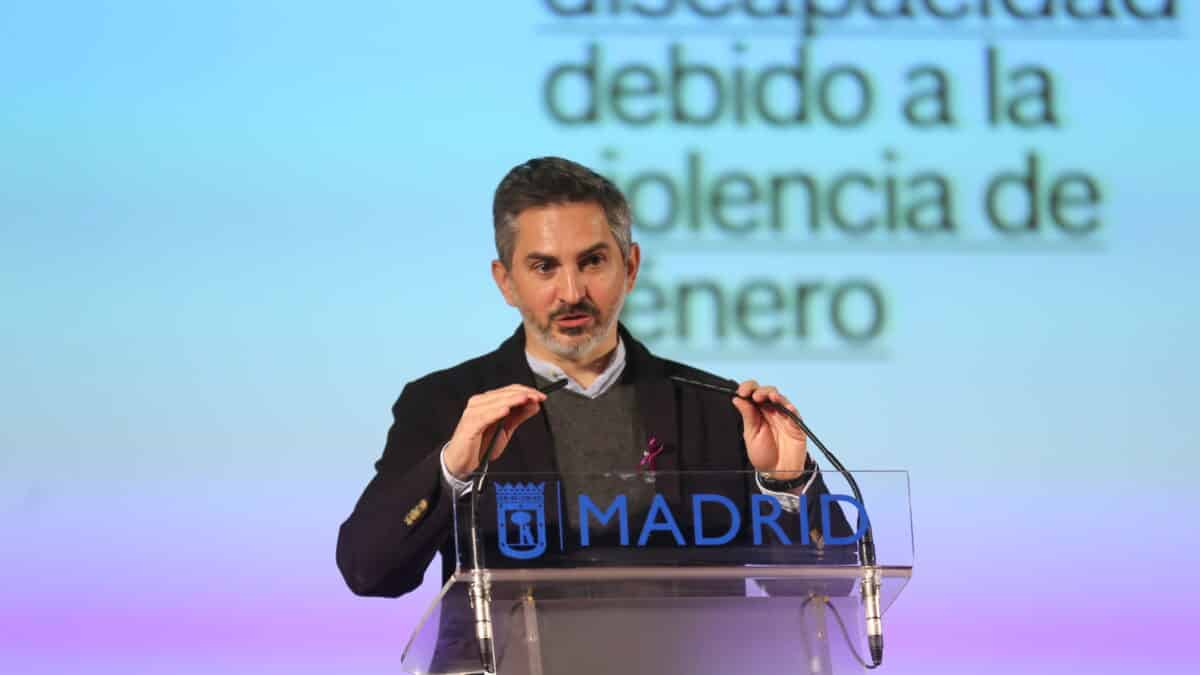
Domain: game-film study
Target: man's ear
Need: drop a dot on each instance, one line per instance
(501, 276)
(632, 264)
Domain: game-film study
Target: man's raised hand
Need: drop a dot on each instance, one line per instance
(773, 442)
(499, 411)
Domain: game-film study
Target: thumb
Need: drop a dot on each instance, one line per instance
(509, 424)
(502, 435)
(519, 414)
(752, 417)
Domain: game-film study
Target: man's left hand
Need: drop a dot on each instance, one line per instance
(773, 442)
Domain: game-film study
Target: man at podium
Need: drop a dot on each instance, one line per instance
(566, 261)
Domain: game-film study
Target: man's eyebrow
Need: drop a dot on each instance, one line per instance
(534, 256)
(594, 248)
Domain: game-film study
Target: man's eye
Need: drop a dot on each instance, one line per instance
(593, 260)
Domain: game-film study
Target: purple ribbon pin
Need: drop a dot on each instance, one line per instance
(653, 449)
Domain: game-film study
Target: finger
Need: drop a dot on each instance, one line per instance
(747, 387)
(510, 387)
(783, 402)
(504, 393)
(480, 420)
(502, 438)
(763, 394)
(499, 406)
(752, 417)
(485, 440)
(529, 393)
(508, 425)
(483, 424)
(495, 438)
(521, 413)
(524, 388)
(781, 422)
(780, 411)
(507, 395)
(479, 423)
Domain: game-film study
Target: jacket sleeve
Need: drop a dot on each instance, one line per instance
(405, 513)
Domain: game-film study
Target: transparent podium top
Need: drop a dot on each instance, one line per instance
(713, 518)
(621, 556)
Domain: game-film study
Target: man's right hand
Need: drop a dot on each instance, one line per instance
(499, 411)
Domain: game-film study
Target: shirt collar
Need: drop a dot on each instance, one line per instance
(606, 380)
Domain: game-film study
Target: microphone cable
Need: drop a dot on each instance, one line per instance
(866, 544)
(480, 591)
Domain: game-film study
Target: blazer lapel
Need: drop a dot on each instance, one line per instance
(659, 407)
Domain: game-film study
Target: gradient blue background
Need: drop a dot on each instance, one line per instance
(230, 232)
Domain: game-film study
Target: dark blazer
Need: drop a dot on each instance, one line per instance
(405, 514)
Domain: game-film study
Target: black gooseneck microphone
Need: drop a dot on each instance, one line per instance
(480, 592)
(866, 545)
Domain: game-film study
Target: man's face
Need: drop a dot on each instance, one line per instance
(568, 279)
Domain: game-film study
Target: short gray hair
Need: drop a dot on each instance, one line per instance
(553, 180)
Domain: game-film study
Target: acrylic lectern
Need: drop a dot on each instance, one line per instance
(652, 572)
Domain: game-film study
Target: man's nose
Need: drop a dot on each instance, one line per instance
(571, 288)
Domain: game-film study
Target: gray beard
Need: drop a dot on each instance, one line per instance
(573, 352)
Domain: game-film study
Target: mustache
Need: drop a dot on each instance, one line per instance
(582, 307)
